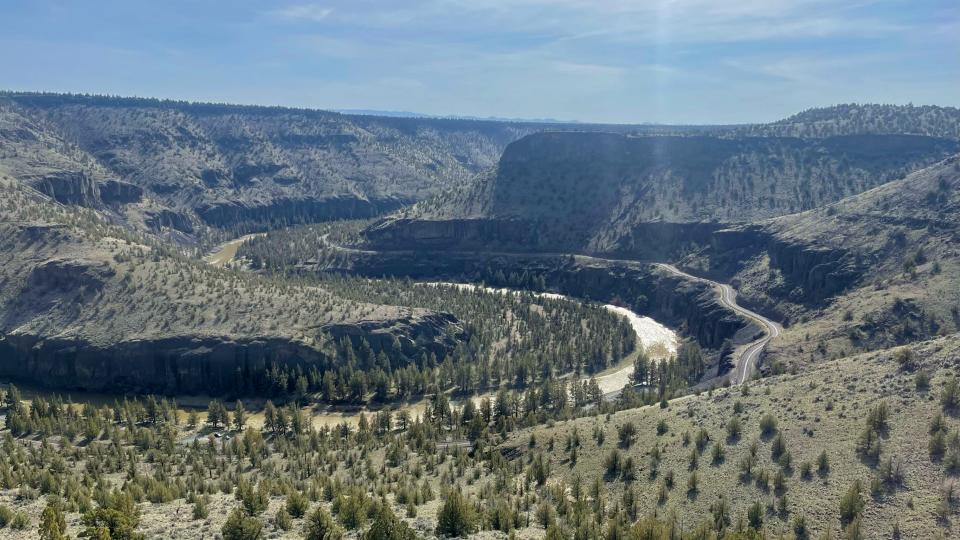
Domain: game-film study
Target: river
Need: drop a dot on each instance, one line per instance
(658, 341)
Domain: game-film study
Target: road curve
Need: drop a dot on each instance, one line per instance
(746, 364)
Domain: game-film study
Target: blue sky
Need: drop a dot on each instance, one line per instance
(679, 61)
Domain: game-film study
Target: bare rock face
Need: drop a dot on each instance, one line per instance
(65, 275)
(115, 192)
(202, 364)
(177, 364)
(296, 210)
(69, 188)
(78, 188)
(437, 333)
(157, 219)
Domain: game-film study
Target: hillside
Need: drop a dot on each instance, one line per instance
(600, 192)
(859, 449)
(874, 270)
(243, 166)
(705, 460)
(85, 305)
(866, 118)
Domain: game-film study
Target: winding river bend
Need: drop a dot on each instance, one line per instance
(656, 340)
(659, 341)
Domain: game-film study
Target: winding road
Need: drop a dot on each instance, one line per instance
(745, 366)
(746, 358)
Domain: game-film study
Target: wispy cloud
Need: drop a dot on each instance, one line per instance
(302, 13)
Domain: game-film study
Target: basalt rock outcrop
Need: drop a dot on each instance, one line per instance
(811, 274)
(69, 188)
(78, 188)
(609, 193)
(201, 364)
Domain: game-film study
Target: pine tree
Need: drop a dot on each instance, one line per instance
(320, 526)
(239, 416)
(53, 524)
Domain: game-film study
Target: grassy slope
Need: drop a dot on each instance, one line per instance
(823, 409)
(891, 304)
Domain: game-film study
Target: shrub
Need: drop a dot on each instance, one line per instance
(733, 429)
(118, 517)
(851, 503)
(282, 519)
(626, 433)
(693, 484)
(320, 526)
(200, 509)
(612, 463)
(240, 526)
(53, 523)
(937, 446)
(297, 504)
(20, 521)
(702, 439)
(755, 515)
(799, 526)
(905, 359)
(823, 463)
(6, 515)
(879, 417)
(456, 517)
(950, 396)
(717, 455)
(386, 526)
(778, 447)
(720, 512)
(768, 425)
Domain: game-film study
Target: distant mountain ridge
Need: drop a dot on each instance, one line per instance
(408, 114)
(854, 118)
(178, 168)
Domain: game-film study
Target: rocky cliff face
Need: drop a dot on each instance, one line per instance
(810, 273)
(69, 188)
(301, 210)
(199, 364)
(608, 193)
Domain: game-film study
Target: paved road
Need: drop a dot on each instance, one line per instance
(746, 364)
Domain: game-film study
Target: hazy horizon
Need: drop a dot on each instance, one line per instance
(676, 62)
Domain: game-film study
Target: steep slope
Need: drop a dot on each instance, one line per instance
(686, 462)
(877, 269)
(33, 153)
(236, 165)
(602, 192)
(85, 305)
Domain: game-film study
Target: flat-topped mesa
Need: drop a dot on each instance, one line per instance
(641, 196)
